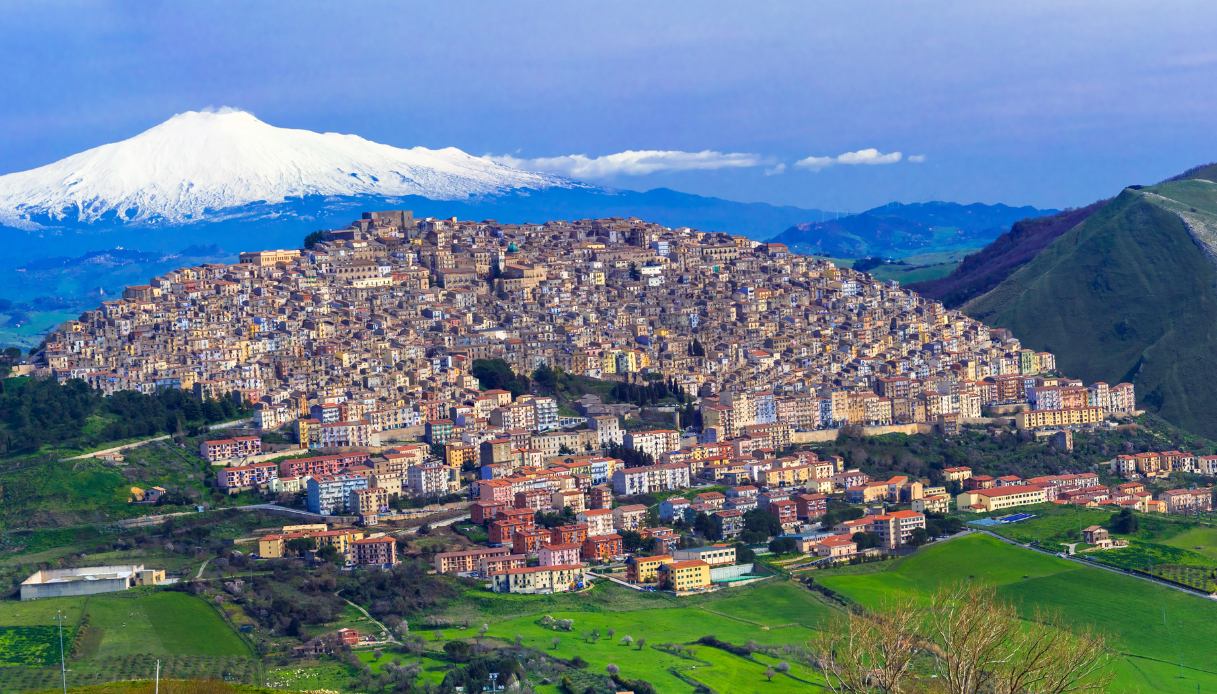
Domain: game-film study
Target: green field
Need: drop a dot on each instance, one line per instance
(773, 613)
(1164, 637)
(1174, 548)
(119, 636)
(1201, 540)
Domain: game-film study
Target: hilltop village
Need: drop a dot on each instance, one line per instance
(393, 358)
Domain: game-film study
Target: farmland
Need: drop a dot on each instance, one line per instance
(1176, 549)
(1161, 635)
(118, 636)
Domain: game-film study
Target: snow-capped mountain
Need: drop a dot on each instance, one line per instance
(200, 163)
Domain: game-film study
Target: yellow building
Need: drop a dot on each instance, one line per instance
(1068, 417)
(685, 576)
(273, 546)
(645, 569)
(998, 498)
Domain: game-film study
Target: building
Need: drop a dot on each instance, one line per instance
(1187, 501)
(538, 580)
(998, 498)
(375, 551)
(651, 478)
(956, 474)
(654, 443)
(604, 548)
(432, 478)
(645, 569)
(836, 548)
(240, 478)
(712, 555)
(91, 580)
(1067, 417)
(630, 517)
(466, 561)
(218, 450)
(896, 528)
(811, 506)
(273, 546)
(933, 503)
(599, 521)
(559, 555)
(684, 576)
(331, 494)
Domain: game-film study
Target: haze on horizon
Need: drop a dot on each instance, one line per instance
(827, 105)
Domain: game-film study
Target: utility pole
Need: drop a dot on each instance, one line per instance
(63, 661)
(157, 686)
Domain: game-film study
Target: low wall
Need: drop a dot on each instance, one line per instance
(826, 435)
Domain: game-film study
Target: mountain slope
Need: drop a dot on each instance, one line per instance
(1130, 293)
(981, 271)
(197, 162)
(898, 230)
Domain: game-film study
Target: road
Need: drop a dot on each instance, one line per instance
(152, 439)
(272, 508)
(387, 635)
(1097, 565)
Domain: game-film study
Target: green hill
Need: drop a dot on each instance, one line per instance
(1128, 294)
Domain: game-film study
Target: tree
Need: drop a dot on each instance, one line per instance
(919, 537)
(640, 643)
(744, 553)
(865, 540)
(783, 545)
(972, 644)
(314, 238)
(762, 521)
(1125, 522)
(330, 554)
(769, 673)
(862, 653)
(612, 669)
(627, 640)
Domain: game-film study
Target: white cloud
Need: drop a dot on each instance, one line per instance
(868, 157)
(634, 162)
(776, 169)
(916, 158)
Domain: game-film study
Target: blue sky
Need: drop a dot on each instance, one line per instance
(1048, 103)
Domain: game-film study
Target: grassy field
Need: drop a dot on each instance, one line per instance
(773, 613)
(1170, 547)
(1163, 636)
(119, 636)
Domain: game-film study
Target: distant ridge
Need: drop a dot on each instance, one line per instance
(1129, 292)
(898, 230)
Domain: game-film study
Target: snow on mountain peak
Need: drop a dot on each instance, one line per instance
(199, 162)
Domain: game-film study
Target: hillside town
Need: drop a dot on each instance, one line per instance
(363, 352)
(375, 327)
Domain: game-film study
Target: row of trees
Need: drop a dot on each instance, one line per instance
(35, 412)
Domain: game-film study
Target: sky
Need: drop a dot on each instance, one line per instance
(831, 105)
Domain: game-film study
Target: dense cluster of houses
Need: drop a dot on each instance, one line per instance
(987, 494)
(375, 328)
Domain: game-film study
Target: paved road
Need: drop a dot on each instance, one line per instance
(273, 508)
(152, 439)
